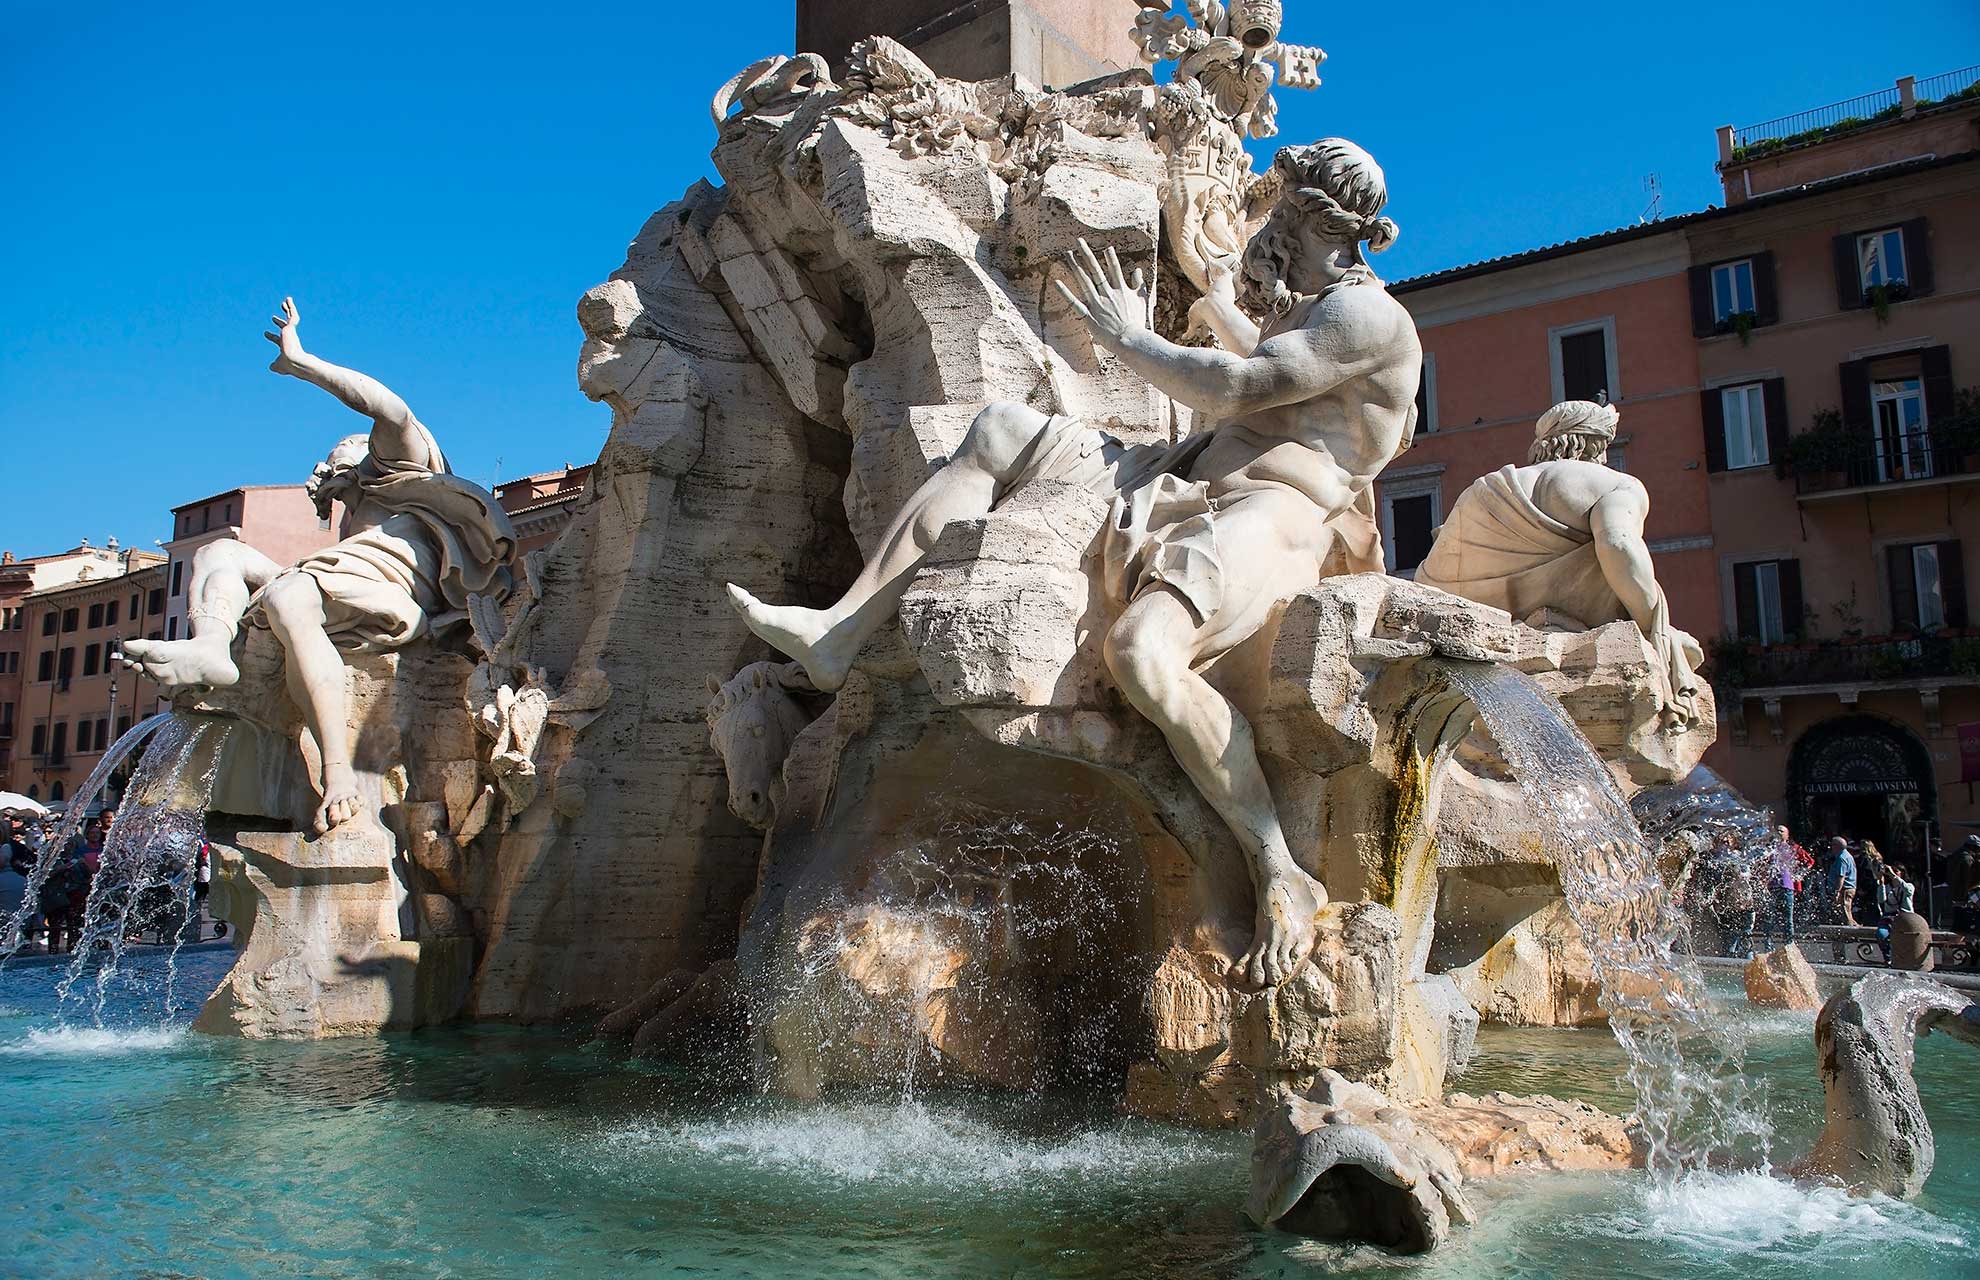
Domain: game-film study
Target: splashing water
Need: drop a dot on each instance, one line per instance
(1009, 894)
(1684, 1064)
(150, 856)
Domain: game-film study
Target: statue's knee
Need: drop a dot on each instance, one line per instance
(999, 436)
(292, 601)
(1141, 665)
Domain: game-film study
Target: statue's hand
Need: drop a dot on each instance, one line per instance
(286, 337)
(1111, 303)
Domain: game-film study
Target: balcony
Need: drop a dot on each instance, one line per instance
(1745, 672)
(1925, 459)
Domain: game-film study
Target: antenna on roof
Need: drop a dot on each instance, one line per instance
(1655, 210)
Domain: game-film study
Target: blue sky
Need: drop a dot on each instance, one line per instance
(437, 185)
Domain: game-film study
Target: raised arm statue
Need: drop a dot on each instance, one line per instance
(418, 541)
(1565, 533)
(1206, 536)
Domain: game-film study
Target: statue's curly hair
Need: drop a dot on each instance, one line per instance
(1333, 186)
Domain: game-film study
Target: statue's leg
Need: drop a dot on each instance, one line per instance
(224, 574)
(825, 641)
(1267, 545)
(317, 682)
(1150, 652)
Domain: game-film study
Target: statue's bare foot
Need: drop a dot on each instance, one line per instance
(1286, 932)
(799, 633)
(198, 663)
(340, 798)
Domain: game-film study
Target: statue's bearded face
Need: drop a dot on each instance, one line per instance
(1292, 257)
(335, 479)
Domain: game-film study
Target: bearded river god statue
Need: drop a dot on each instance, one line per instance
(419, 541)
(1207, 536)
(1565, 533)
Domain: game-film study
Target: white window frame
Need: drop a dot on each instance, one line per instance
(1607, 324)
(1731, 269)
(1909, 464)
(1429, 423)
(1409, 487)
(1871, 239)
(1750, 395)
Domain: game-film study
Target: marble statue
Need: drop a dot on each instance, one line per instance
(1205, 536)
(1565, 534)
(419, 543)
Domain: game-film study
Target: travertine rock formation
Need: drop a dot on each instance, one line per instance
(1877, 1138)
(1783, 979)
(1347, 1163)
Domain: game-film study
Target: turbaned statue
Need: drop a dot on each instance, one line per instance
(418, 542)
(1206, 535)
(1565, 533)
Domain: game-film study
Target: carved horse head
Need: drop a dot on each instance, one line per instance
(752, 720)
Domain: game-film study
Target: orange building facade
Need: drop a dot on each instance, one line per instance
(1798, 374)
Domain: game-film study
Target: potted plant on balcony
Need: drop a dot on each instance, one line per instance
(1819, 457)
(1732, 661)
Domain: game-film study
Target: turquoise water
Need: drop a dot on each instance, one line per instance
(142, 1150)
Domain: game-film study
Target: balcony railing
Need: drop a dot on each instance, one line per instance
(1819, 120)
(1924, 455)
(1742, 665)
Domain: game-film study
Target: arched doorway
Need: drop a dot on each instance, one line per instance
(1866, 778)
(55, 793)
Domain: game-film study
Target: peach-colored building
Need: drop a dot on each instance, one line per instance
(1790, 371)
(19, 579)
(277, 520)
(1504, 340)
(75, 698)
(1838, 321)
(541, 505)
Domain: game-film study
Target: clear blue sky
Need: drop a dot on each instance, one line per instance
(437, 186)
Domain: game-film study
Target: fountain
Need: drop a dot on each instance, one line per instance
(1071, 762)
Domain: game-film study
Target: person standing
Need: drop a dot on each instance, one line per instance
(1900, 895)
(1791, 862)
(1839, 882)
(1871, 886)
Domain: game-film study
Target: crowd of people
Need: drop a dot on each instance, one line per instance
(54, 908)
(1776, 888)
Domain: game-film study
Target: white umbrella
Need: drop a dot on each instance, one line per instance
(15, 802)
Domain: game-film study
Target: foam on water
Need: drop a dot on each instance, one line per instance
(1727, 1215)
(917, 1144)
(91, 1040)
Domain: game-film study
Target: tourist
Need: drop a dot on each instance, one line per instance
(1870, 886)
(1839, 883)
(1900, 896)
(1791, 863)
(57, 892)
(13, 880)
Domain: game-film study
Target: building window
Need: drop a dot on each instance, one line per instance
(171, 628)
(56, 793)
(58, 743)
(178, 577)
(134, 606)
(1767, 600)
(92, 659)
(70, 619)
(6, 719)
(1880, 258)
(48, 623)
(1732, 290)
(1426, 395)
(1584, 361)
(1904, 449)
(44, 670)
(95, 616)
(65, 664)
(110, 614)
(1411, 512)
(102, 732)
(123, 725)
(1745, 411)
(155, 603)
(38, 741)
(1928, 585)
(82, 737)
(228, 517)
